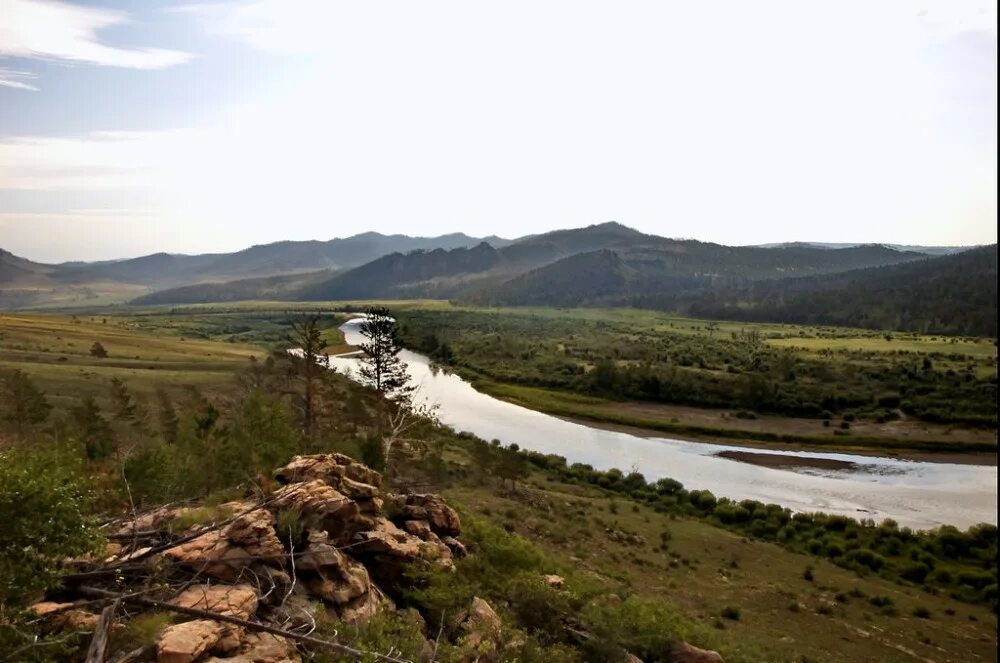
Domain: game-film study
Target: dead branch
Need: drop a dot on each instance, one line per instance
(99, 643)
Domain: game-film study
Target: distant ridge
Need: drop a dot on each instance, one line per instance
(24, 283)
(914, 248)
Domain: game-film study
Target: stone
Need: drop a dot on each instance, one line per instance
(386, 550)
(683, 652)
(211, 554)
(481, 624)
(321, 507)
(456, 547)
(418, 528)
(253, 531)
(61, 615)
(333, 576)
(262, 648)
(330, 468)
(185, 642)
(632, 658)
(554, 581)
(233, 600)
(443, 520)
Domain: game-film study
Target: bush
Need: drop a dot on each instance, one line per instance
(42, 495)
(731, 612)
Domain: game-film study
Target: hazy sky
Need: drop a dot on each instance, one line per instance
(133, 127)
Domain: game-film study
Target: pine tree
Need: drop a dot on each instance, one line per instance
(381, 366)
(22, 405)
(92, 429)
(310, 365)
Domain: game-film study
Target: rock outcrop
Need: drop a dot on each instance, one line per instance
(314, 549)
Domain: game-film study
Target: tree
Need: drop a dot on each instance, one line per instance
(167, 416)
(97, 350)
(511, 465)
(92, 429)
(22, 405)
(310, 362)
(381, 366)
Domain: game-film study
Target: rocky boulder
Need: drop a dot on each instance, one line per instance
(329, 468)
(432, 509)
(339, 580)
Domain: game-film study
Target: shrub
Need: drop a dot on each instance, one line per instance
(42, 495)
(731, 612)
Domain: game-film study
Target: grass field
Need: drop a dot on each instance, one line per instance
(709, 572)
(54, 350)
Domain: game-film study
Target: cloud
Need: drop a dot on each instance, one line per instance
(284, 27)
(41, 29)
(100, 160)
(16, 79)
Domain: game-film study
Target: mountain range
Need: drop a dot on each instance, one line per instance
(939, 289)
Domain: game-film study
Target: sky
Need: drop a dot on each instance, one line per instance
(133, 127)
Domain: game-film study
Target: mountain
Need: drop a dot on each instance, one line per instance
(411, 275)
(278, 287)
(914, 248)
(662, 268)
(443, 274)
(21, 272)
(162, 270)
(24, 283)
(952, 294)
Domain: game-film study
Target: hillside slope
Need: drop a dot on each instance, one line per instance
(671, 267)
(952, 294)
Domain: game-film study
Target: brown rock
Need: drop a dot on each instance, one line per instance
(321, 507)
(554, 581)
(456, 547)
(682, 652)
(330, 468)
(233, 600)
(443, 520)
(61, 615)
(386, 550)
(211, 554)
(253, 531)
(262, 648)
(185, 642)
(481, 624)
(632, 658)
(333, 576)
(418, 528)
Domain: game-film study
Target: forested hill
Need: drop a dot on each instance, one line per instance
(955, 294)
(625, 274)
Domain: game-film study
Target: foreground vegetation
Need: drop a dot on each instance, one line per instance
(644, 565)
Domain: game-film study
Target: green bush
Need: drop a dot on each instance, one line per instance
(42, 500)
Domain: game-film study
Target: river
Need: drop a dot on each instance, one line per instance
(914, 493)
